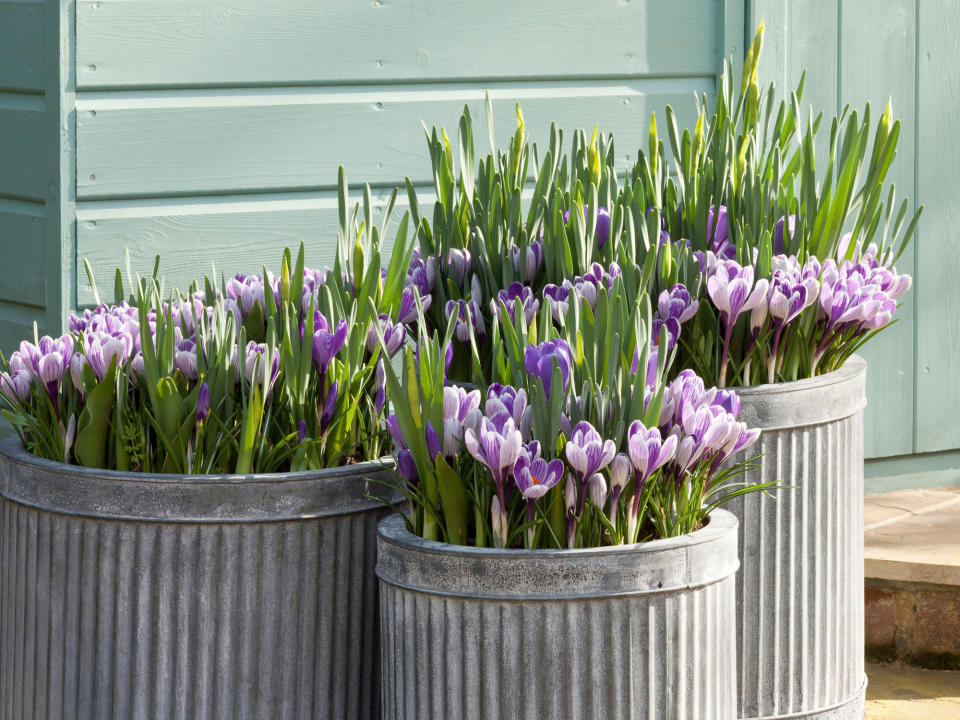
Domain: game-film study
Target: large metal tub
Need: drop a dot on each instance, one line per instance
(638, 631)
(200, 597)
(800, 586)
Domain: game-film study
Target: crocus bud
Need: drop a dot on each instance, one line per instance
(408, 467)
(301, 431)
(380, 387)
(570, 494)
(328, 405)
(70, 434)
(433, 442)
(598, 490)
(77, 363)
(203, 402)
(619, 474)
(498, 520)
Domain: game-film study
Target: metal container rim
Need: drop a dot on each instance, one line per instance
(13, 450)
(392, 530)
(852, 368)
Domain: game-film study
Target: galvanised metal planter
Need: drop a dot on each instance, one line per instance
(800, 586)
(169, 596)
(639, 631)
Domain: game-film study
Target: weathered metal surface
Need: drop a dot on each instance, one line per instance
(800, 586)
(641, 631)
(151, 596)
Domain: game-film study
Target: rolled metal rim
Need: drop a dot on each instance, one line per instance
(265, 497)
(701, 558)
(811, 401)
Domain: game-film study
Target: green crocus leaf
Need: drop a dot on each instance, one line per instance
(453, 497)
(93, 426)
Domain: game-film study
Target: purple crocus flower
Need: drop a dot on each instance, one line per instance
(530, 263)
(460, 262)
(559, 297)
(434, 447)
(461, 409)
(513, 402)
(185, 360)
(329, 405)
(408, 305)
(16, 385)
(732, 290)
(496, 444)
(379, 387)
(718, 234)
(586, 451)
(468, 313)
(268, 371)
(407, 467)
(602, 229)
(422, 273)
(648, 451)
(676, 303)
(779, 240)
(393, 335)
(203, 402)
(539, 360)
(510, 297)
(327, 344)
(301, 432)
(535, 478)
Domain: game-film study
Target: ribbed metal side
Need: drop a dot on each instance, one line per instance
(107, 619)
(800, 586)
(143, 619)
(663, 655)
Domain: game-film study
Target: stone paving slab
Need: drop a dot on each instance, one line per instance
(903, 693)
(912, 577)
(913, 536)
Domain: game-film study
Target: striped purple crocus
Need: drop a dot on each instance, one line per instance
(496, 444)
(539, 361)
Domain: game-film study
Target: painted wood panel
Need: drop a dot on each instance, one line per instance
(194, 43)
(289, 140)
(938, 180)
(21, 146)
(22, 278)
(21, 46)
(234, 234)
(877, 64)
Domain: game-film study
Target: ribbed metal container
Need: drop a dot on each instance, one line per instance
(203, 597)
(800, 586)
(639, 631)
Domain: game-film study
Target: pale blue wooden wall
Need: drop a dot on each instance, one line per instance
(35, 250)
(211, 130)
(858, 51)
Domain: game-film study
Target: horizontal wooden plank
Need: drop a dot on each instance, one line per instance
(189, 144)
(21, 248)
(236, 235)
(199, 43)
(21, 146)
(21, 46)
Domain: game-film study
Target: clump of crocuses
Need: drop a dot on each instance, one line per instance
(264, 373)
(566, 453)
